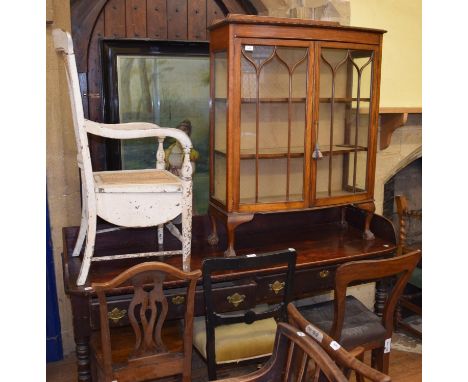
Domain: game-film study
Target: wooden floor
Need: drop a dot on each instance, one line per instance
(404, 367)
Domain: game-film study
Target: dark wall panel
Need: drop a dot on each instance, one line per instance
(196, 19)
(135, 17)
(213, 12)
(156, 19)
(114, 18)
(177, 20)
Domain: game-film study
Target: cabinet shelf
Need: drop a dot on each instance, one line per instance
(343, 100)
(266, 100)
(340, 149)
(296, 152)
(295, 100)
(272, 199)
(273, 100)
(269, 153)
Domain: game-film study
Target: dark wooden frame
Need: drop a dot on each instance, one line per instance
(110, 50)
(214, 318)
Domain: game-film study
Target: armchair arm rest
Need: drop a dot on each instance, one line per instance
(135, 130)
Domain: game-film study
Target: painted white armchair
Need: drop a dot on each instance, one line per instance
(127, 198)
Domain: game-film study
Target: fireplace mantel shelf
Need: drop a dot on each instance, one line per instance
(392, 118)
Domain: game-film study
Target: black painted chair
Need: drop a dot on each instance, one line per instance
(235, 328)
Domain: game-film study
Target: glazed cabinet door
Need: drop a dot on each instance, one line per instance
(273, 125)
(344, 134)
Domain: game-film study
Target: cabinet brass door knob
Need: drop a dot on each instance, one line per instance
(277, 286)
(116, 315)
(177, 300)
(235, 299)
(324, 273)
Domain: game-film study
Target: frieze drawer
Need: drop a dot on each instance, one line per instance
(316, 279)
(228, 296)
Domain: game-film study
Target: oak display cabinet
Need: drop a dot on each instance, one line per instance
(294, 114)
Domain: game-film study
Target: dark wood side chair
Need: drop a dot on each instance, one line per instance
(412, 295)
(347, 361)
(296, 357)
(139, 353)
(243, 330)
(349, 322)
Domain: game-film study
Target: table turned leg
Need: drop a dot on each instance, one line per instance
(82, 357)
(380, 297)
(82, 333)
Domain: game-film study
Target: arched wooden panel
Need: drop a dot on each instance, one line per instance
(183, 20)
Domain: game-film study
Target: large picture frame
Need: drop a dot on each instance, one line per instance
(164, 82)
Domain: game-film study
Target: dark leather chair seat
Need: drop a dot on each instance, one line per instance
(360, 324)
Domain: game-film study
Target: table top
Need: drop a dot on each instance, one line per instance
(318, 237)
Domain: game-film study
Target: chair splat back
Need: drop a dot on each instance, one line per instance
(147, 313)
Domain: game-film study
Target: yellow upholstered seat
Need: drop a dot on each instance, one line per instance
(225, 335)
(237, 342)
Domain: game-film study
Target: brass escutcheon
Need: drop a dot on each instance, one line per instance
(177, 300)
(236, 299)
(116, 314)
(277, 286)
(324, 273)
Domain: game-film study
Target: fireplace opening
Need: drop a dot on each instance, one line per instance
(407, 182)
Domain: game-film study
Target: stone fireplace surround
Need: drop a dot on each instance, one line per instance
(404, 149)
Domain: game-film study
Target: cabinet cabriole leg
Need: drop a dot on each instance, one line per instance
(370, 209)
(232, 222)
(213, 238)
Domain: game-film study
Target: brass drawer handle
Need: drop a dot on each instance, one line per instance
(177, 300)
(236, 299)
(324, 274)
(277, 286)
(116, 314)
